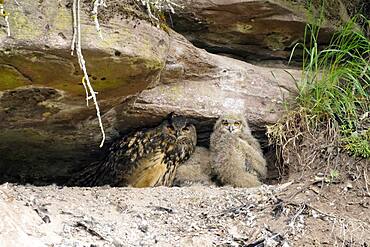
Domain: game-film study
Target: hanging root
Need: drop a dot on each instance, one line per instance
(158, 6)
(4, 14)
(97, 4)
(76, 46)
(148, 8)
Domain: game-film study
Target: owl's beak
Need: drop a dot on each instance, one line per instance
(178, 134)
(231, 128)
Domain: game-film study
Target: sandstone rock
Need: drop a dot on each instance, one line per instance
(249, 29)
(201, 85)
(43, 113)
(47, 130)
(18, 225)
(126, 61)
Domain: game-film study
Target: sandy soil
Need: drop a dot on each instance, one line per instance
(291, 214)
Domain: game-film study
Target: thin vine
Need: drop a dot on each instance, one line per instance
(76, 46)
(5, 15)
(94, 12)
(157, 5)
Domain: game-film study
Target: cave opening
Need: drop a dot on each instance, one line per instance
(33, 166)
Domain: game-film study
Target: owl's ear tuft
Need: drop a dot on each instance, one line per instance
(170, 116)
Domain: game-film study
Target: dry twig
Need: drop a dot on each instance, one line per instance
(366, 183)
(90, 230)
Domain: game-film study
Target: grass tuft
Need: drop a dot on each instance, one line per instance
(334, 94)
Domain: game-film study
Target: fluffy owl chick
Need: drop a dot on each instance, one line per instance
(196, 170)
(236, 156)
(145, 158)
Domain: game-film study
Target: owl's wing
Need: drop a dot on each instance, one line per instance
(123, 158)
(126, 153)
(95, 174)
(149, 171)
(255, 160)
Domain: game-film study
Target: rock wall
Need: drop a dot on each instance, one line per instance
(251, 30)
(142, 70)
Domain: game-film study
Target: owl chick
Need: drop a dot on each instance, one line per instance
(144, 158)
(236, 156)
(196, 170)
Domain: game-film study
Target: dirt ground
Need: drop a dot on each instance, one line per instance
(295, 213)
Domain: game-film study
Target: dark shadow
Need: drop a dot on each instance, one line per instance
(67, 166)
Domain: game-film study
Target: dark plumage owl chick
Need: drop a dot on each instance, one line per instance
(144, 158)
(236, 156)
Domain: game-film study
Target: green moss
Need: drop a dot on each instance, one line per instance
(11, 79)
(130, 71)
(63, 20)
(124, 77)
(243, 27)
(113, 39)
(23, 27)
(115, 77)
(164, 27)
(40, 67)
(276, 41)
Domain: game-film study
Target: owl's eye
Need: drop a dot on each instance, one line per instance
(237, 124)
(225, 123)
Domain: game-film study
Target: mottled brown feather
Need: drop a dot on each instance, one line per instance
(144, 158)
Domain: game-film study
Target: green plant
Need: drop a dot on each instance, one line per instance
(358, 144)
(336, 81)
(333, 176)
